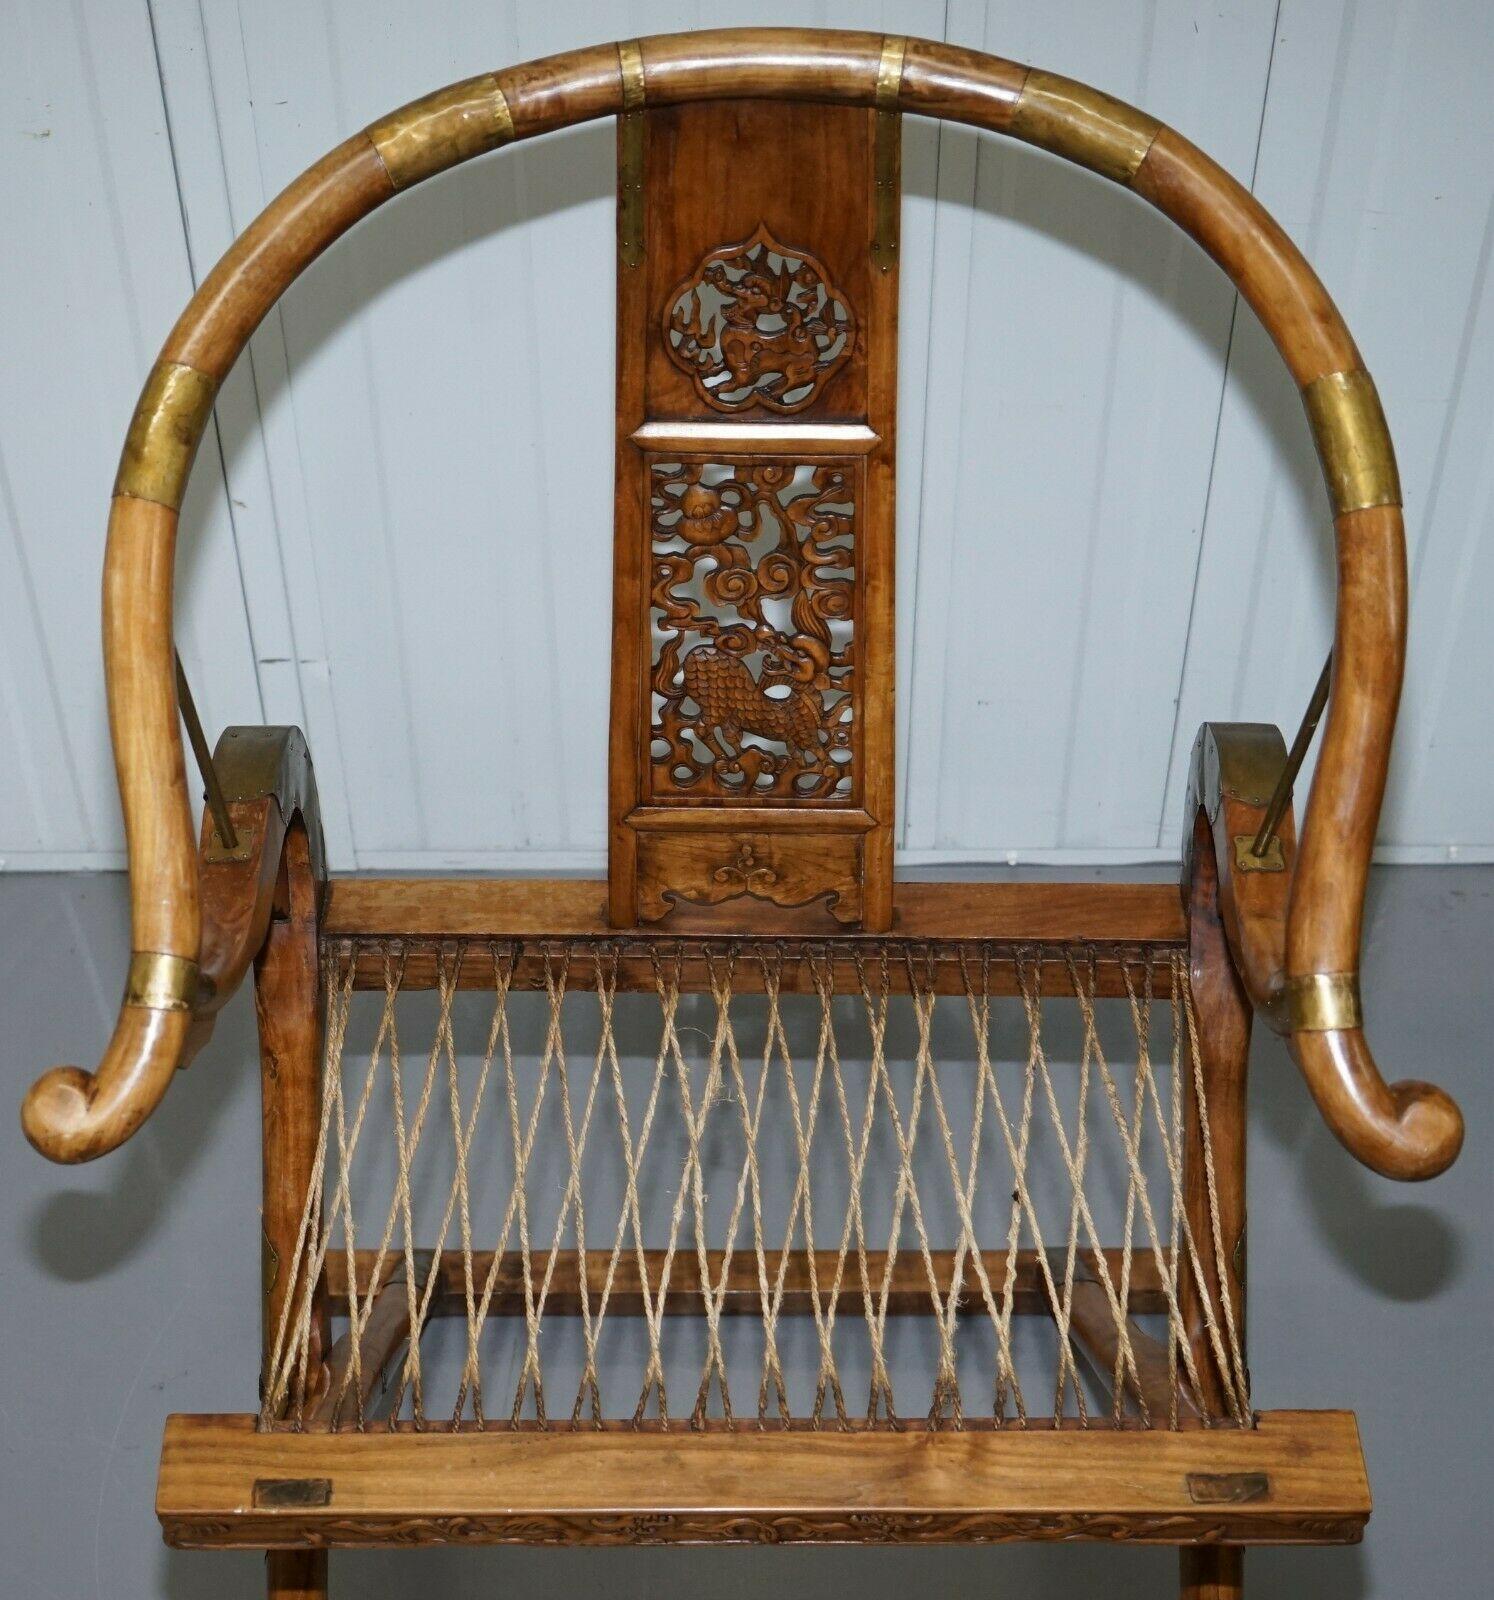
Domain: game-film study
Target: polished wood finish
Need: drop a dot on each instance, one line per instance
(907, 1290)
(1233, 772)
(559, 908)
(386, 1331)
(268, 784)
(72, 1114)
(1212, 1572)
(1407, 1130)
(550, 919)
(287, 1003)
(296, 1574)
(1223, 1013)
(811, 349)
(626, 1487)
(276, 809)
(1093, 1327)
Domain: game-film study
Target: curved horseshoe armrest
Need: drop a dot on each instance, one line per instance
(1409, 1130)
(170, 1002)
(922, 76)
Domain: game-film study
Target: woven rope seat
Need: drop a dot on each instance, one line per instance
(753, 1194)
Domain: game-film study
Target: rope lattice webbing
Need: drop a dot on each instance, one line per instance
(942, 1110)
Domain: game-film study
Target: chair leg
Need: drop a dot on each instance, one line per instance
(288, 1004)
(296, 1574)
(1212, 1572)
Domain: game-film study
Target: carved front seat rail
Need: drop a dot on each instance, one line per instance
(820, 1035)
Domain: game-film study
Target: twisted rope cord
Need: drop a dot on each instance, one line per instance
(881, 1382)
(853, 1225)
(1238, 1381)
(277, 1376)
(968, 1247)
(1141, 1021)
(980, 1022)
(575, 1145)
(748, 1177)
(802, 1200)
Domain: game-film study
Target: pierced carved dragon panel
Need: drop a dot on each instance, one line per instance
(753, 599)
(758, 324)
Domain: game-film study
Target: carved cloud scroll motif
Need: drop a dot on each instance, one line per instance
(753, 599)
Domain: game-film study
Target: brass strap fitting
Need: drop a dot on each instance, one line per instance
(630, 65)
(453, 125)
(630, 136)
(160, 982)
(164, 434)
(1323, 1002)
(890, 71)
(887, 154)
(1348, 426)
(1084, 125)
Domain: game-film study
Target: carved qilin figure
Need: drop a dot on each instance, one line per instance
(753, 655)
(758, 324)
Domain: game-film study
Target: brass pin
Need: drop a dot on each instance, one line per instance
(1281, 796)
(216, 803)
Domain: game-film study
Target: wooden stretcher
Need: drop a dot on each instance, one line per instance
(750, 856)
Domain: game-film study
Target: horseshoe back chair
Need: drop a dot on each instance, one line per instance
(764, 1204)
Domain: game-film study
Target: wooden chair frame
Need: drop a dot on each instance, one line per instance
(1283, 943)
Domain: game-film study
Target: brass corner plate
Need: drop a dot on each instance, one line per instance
(1246, 860)
(1228, 1488)
(291, 1492)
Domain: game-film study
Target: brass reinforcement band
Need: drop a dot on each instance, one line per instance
(161, 982)
(890, 71)
(453, 125)
(1080, 123)
(164, 434)
(630, 65)
(1323, 1002)
(1348, 426)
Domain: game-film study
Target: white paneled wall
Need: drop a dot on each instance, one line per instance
(399, 536)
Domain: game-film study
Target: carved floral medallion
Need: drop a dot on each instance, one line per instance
(759, 324)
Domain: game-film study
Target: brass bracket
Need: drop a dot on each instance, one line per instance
(887, 155)
(1246, 860)
(630, 132)
(216, 853)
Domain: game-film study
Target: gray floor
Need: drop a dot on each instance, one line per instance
(128, 1289)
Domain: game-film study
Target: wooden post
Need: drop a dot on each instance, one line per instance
(288, 1004)
(1224, 1015)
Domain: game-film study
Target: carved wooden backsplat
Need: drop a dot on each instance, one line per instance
(751, 780)
(753, 621)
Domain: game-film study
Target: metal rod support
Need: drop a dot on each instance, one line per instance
(213, 790)
(1281, 796)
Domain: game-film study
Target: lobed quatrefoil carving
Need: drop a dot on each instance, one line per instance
(759, 324)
